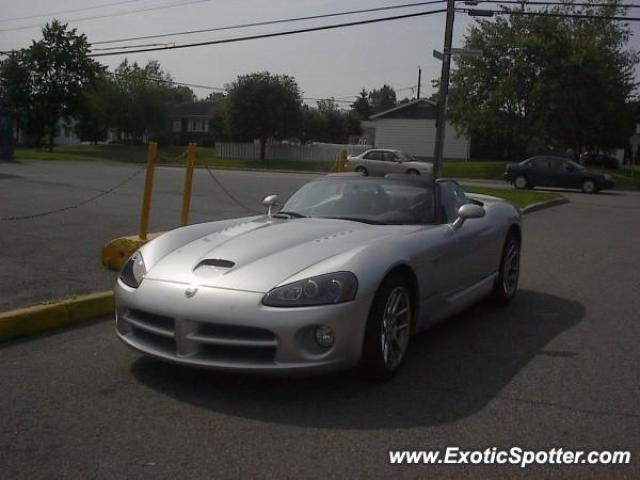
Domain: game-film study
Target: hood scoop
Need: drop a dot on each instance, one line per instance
(212, 267)
(215, 263)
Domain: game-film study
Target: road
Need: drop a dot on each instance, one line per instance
(57, 255)
(559, 367)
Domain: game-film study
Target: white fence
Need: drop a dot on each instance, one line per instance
(313, 152)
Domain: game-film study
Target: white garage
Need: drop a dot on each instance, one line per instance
(411, 127)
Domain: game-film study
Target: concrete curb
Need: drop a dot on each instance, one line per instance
(534, 207)
(46, 317)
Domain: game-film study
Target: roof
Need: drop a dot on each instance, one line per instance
(194, 109)
(420, 108)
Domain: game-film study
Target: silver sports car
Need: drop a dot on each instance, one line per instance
(343, 274)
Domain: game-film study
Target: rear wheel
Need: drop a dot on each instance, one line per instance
(506, 284)
(413, 172)
(521, 182)
(388, 329)
(589, 186)
(362, 171)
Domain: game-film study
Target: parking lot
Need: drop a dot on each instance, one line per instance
(559, 367)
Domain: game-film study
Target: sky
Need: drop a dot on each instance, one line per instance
(333, 63)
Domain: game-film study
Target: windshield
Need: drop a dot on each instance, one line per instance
(379, 201)
(574, 164)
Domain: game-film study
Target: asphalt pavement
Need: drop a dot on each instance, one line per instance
(559, 367)
(47, 256)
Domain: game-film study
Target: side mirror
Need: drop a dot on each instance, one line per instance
(269, 202)
(467, 211)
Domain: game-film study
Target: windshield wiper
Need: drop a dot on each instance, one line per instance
(288, 215)
(356, 219)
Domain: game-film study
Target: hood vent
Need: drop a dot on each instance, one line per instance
(216, 263)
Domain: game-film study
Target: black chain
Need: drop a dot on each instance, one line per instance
(229, 194)
(71, 207)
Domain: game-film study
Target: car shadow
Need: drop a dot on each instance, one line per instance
(451, 371)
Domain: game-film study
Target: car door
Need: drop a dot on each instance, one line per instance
(476, 239)
(559, 175)
(392, 163)
(538, 171)
(373, 162)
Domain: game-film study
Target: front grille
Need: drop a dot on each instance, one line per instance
(207, 342)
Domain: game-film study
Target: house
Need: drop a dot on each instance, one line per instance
(411, 127)
(192, 122)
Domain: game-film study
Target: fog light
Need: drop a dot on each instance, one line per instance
(324, 336)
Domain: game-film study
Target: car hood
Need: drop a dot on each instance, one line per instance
(261, 254)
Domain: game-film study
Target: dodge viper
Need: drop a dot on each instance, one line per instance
(340, 275)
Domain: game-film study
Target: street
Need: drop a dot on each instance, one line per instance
(559, 367)
(58, 255)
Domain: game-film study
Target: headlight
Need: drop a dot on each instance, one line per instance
(321, 290)
(134, 271)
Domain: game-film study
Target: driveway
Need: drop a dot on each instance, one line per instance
(559, 367)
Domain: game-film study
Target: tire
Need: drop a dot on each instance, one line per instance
(362, 171)
(506, 285)
(589, 186)
(413, 172)
(388, 332)
(521, 182)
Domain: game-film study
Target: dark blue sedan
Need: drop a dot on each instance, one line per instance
(557, 172)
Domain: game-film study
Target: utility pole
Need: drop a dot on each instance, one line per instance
(419, 82)
(441, 117)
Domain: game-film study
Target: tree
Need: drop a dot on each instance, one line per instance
(382, 99)
(97, 111)
(59, 69)
(263, 106)
(145, 99)
(361, 106)
(556, 81)
(15, 88)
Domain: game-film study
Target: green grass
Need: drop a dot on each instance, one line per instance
(519, 198)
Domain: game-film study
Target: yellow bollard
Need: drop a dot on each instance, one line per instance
(152, 153)
(343, 161)
(188, 180)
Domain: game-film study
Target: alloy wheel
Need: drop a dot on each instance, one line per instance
(396, 321)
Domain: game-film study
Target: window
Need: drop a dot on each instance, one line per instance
(539, 162)
(452, 197)
(389, 157)
(177, 126)
(373, 155)
(198, 125)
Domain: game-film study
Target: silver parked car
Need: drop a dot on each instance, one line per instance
(343, 275)
(380, 162)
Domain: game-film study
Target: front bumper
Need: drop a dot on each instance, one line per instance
(231, 330)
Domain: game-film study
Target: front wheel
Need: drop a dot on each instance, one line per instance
(521, 182)
(362, 171)
(589, 186)
(413, 172)
(506, 284)
(388, 329)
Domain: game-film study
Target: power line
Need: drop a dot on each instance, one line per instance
(271, 35)
(206, 87)
(268, 22)
(62, 12)
(109, 15)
